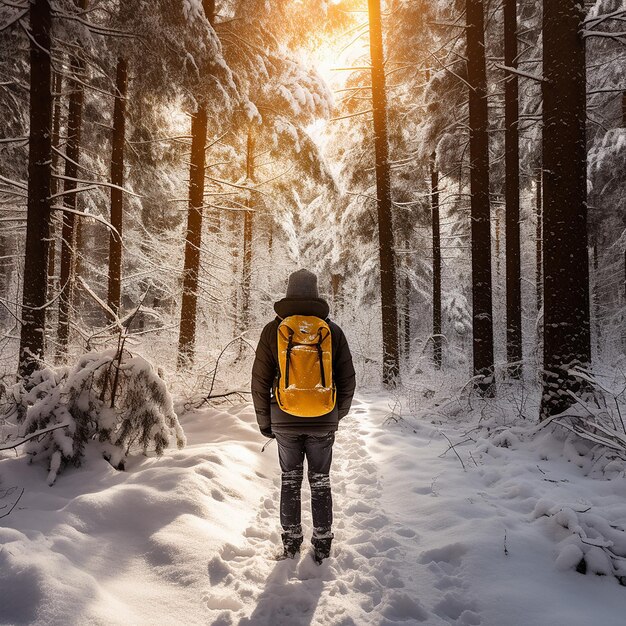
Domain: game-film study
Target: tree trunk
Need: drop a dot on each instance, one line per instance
(54, 186)
(247, 237)
(383, 193)
(215, 220)
(595, 298)
(623, 308)
(270, 234)
(236, 226)
(496, 232)
(539, 231)
(117, 195)
(566, 335)
(437, 337)
(406, 317)
(193, 240)
(335, 285)
(512, 195)
(482, 322)
(34, 293)
(57, 83)
(68, 234)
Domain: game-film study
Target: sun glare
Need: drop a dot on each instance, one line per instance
(338, 52)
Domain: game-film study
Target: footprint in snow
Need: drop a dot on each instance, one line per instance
(446, 564)
(359, 584)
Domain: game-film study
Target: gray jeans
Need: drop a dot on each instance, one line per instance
(318, 450)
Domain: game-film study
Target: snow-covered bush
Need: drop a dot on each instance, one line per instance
(597, 418)
(591, 544)
(115, 401)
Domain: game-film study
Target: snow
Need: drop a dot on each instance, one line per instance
(252, 113)
(187, 538)
(192, 10)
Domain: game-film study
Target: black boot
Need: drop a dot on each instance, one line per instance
(291, 545)
(321, 548)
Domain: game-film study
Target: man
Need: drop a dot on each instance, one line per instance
(299, 437)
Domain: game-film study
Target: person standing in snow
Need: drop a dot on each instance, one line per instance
(303, 416)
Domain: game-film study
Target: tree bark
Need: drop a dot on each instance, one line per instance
(215, 220)
(68, 231)
(56, 125)
(539, 233)
(335, 285)
(482, 317)
(566, 335)
(497, 237)
(236, 226)
(193, 240)
(406, 317)
(389, 305)
(35, 289)
(437, 337)
(624, 307)
(595, 299)
(247, 236)
(512, 195)
(117, 196)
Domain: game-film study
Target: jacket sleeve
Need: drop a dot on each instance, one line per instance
(345, 378)
(263, 372)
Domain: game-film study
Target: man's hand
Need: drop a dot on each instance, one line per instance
(267, 432)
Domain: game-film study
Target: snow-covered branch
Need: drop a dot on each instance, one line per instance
(42, 431)
(96, 183)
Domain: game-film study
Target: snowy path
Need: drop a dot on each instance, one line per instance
(188, 538)
(360, 584)
(418, 540)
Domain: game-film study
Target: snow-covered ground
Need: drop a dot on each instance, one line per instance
(188, 538)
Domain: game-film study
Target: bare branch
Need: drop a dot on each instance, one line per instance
(512, 70)
(14, 139)
(345, 117)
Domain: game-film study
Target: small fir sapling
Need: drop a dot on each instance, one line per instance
(117, 401)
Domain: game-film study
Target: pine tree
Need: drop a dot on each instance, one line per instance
(437, 337)
(247, 235)
(117, 178)
(539, 237)
(482, 317)
(512, 194)
(566, 329)
(389, 305)
(193, 240)
(35, 289)
(57, 83)
(68, 232)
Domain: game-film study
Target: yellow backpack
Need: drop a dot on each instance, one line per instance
(304, 385)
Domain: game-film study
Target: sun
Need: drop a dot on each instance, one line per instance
(340, 48)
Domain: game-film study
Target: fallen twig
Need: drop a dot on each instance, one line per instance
(217, 363)
(14, 504)
(454, 449)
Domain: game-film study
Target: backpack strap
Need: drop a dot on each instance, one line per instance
(319, 356)
(288, 356)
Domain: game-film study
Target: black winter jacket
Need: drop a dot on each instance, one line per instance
(269, 415)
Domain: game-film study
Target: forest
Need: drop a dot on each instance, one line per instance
(452, 171)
